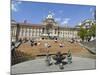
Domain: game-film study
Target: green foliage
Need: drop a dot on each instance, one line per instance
(82, 33)
(87, 33)
(93, 30)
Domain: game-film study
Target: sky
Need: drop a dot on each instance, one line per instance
(65, 14)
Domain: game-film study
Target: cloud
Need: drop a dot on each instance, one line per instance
(53, 13)
(58, 19)
(80, 24)
(62, 21)
(65, 21)
(91, 9)
(15, 5)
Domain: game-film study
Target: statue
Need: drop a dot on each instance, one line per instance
(69, 57)
(48, 57)
(48, 60)
(59, 59)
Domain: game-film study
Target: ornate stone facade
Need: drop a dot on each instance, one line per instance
(48, 29)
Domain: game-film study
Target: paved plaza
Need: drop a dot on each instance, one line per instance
(82, 59)
(39, 65)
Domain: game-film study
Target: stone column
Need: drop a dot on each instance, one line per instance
(17, 32)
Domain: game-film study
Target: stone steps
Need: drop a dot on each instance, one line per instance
(41, 50)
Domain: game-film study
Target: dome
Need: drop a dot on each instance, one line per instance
(50, 16)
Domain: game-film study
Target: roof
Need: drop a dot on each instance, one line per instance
(27, 24)
(39, 25)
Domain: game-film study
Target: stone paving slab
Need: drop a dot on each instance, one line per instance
(39, 65)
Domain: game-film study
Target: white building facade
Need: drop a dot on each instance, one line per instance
(49, 29)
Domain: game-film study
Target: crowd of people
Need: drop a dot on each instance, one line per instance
(59, 58)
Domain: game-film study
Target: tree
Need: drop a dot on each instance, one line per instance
(82, 33)
(93, 30)
(86, 34)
